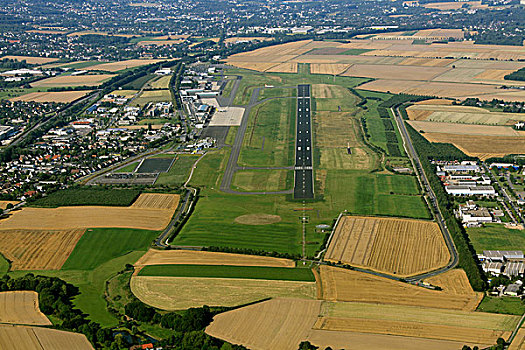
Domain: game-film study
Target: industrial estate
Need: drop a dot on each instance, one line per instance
(271, 175)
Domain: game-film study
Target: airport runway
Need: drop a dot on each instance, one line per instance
(303, 184)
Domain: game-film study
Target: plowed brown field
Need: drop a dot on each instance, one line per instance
(397, 246)
(36, 338)
(346, 285)
(38, 249)
(21, 307)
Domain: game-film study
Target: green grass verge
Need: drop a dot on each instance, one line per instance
(262, 180)
(496, 237)
(179, 171)
(277, 92)
(88, 196)
(225, 271)
(503, 305)
(99, 245)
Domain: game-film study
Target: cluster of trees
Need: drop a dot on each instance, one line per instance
(101, 195)
(187, 326)
(441, 151)
(517, 75)
(8, 63)
(252, 252)
(54, 298)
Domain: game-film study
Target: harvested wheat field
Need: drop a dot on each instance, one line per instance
(329, 68)
(4, 204)
(427, 62)
(37, 338)
(256, 66)
(73, 80)
(156, 201)
(169, 257)
(21, 307)
(282, 324)
(120, 65)
(31, 59)
(467, 326)
(482, 147)
(286, 67)
(277, 53)
(345, 285)
(38, 249)
(519, 341)
(257, 219)
(177, 293)
(329, 91)
(397, 246)
(461, 114)
(151, 213)
(493, 74)
(465, 129)
(60, 97)
(396, 72)
(453, 282)
(274, 324)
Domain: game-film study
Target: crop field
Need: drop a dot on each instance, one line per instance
(482, 147)
(329, 68)
(60, 97)
(262, 180)
(519, 341)
(469, 327)
(346, 285)
(176, 293)
(465, 129)
(226, 271)
(285, 67)
(155, 165)
(88, 255)
(73, 80)
(284, 323)
(38, 338)
(396, 246)
(453, 282)
(495, 237)
(120, 65)
(157, 201)
(171, 257)
(160, 83)
(270, 136)
(461, 114)
(38, 249)
(88, 196)
(31, 59)
(124, 93)
(394, 72)
(21, 307)
(148, 96)
(289, 323)
(75, 217)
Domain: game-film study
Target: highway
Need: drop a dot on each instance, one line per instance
(303, 184)
(425, 184)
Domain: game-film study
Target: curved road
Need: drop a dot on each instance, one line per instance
(414, 158)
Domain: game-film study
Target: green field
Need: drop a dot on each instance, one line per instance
(155, 121)
(496, 237)
(128, 168)
(4, 265)
(225, 271)
(277, 92)
(262, 180)
(504, 305)
(148, 96)
(138, 83)
(179, 171)
(88, 196)
(99, 245)
(270, 137)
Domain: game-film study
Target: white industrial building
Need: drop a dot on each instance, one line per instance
(470, 190)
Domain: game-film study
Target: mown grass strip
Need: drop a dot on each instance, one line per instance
(226, 271)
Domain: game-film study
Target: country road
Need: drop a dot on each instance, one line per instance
(425, 184)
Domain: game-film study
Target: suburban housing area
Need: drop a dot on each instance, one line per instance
(273, 175)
